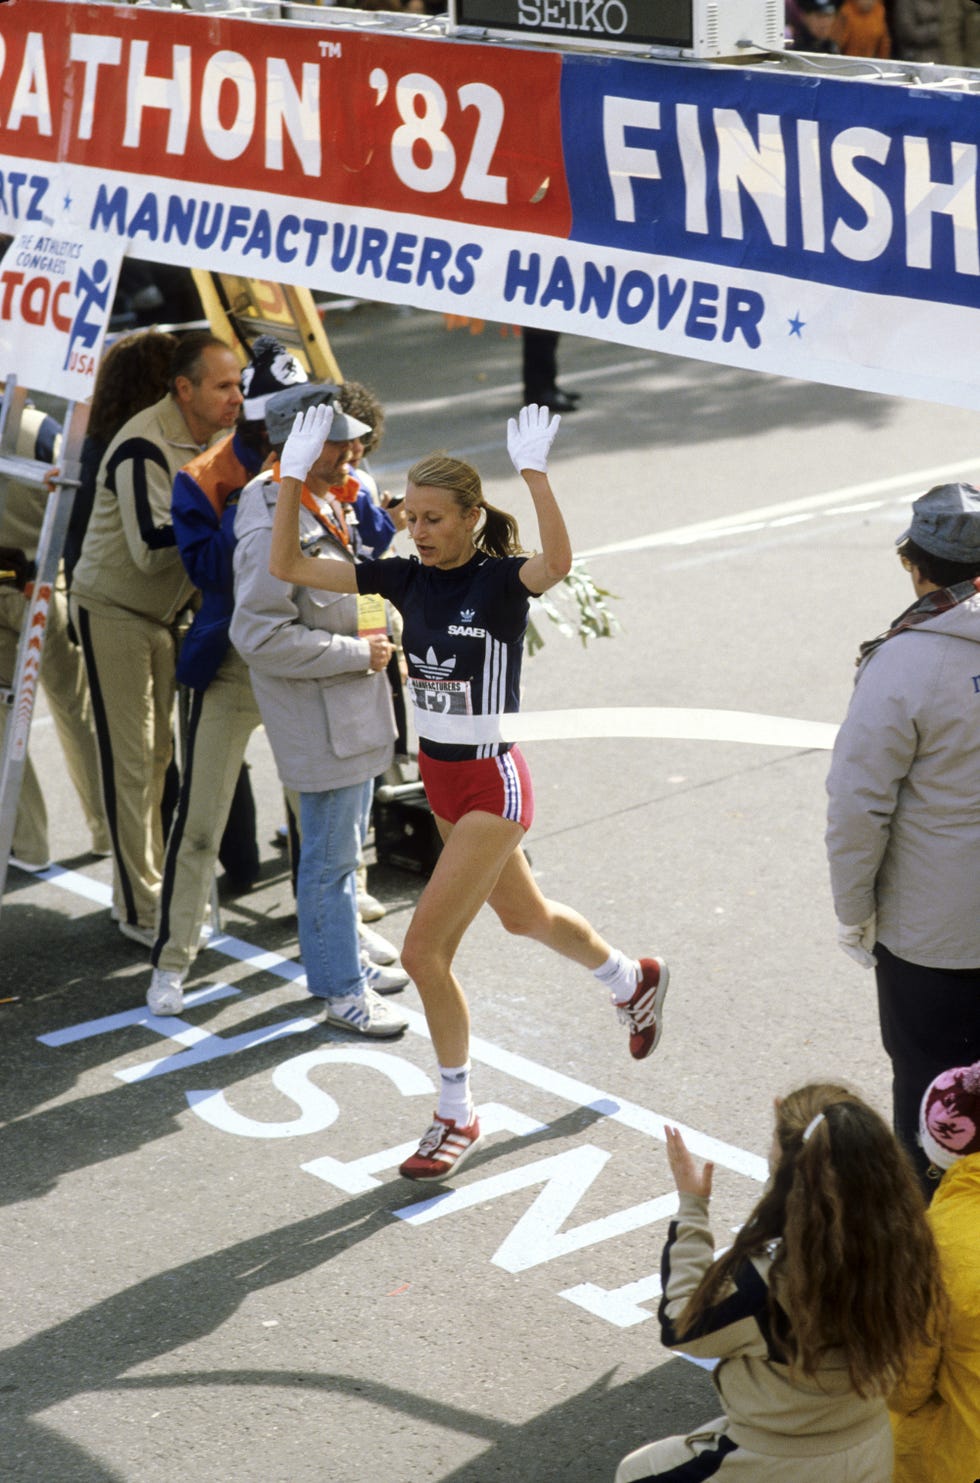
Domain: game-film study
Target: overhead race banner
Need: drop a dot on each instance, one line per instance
(804, 225)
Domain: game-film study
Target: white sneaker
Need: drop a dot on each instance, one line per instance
(383, 980)
(166, 992)
(378, 948)
(367, 1014)
(369, 907)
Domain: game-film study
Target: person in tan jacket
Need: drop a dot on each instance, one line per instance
(815, 1310)
(129, 592)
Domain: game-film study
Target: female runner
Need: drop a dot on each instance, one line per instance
(464, 601)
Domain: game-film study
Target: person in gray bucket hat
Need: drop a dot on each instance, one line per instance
(903, 830)
(946, 523)
(317, 667)
(281, 410)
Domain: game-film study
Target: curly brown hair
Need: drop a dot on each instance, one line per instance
(855, 1266)
(133, 374)
(361, 402)
(498, 535)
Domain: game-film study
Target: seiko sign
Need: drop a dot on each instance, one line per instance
(694, 28)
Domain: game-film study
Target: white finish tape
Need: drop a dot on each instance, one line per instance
(662, 722)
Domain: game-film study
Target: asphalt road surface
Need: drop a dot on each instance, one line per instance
(212, 1269)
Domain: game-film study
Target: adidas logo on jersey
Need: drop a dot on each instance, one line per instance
(432, 667)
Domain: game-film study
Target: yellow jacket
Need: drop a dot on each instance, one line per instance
(936, 1415)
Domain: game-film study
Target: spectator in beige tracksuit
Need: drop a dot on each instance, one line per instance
(129, 591)
(62, 670)
(221, 710)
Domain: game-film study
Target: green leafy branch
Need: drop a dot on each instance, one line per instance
(591, 617)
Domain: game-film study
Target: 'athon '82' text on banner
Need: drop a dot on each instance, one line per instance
(804, 225)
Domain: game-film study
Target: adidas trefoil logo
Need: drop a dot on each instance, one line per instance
(467, 615)
(432, 667)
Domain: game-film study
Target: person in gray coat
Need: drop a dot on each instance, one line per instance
(903, 831)
(316, 662)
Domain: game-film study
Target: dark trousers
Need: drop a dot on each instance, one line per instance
(930, 1022)
(539, 363)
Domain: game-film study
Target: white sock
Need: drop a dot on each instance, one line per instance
(454, 1094)
(620, 976)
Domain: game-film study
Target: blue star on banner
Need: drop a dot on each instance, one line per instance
(796, 325)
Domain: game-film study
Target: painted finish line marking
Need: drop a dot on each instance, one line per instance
(579, 1093)
(541, 1234)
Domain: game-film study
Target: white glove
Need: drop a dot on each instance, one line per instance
(858, 941)
(530, 438)
(311, 430)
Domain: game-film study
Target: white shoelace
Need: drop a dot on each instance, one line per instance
(639, 1016)
(432, 1138)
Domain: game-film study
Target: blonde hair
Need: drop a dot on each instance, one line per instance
(498, 535)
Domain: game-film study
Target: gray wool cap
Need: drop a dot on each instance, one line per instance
(281, 409)
(946, 523)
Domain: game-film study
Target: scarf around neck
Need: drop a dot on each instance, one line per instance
(925, 607)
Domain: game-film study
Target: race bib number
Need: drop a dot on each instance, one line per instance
(443, 697)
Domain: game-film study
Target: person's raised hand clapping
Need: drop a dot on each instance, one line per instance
(688, 1177)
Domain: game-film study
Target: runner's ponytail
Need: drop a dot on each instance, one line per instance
(498, 536)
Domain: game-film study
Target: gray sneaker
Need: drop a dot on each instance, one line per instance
(369, 1015)
(378, 948)
(369, 908)
(166, 992)
(382, 979)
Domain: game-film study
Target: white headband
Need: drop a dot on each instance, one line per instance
(812, 1126)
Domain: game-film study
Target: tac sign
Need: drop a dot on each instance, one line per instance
(56, 291)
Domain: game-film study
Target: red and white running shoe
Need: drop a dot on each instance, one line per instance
(444, 1147)
(643, 1012)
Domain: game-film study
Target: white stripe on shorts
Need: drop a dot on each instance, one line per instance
(513, 792)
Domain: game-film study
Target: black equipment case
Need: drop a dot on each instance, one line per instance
(405, 833)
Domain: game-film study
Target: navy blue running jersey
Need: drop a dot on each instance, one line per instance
(464, 642)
